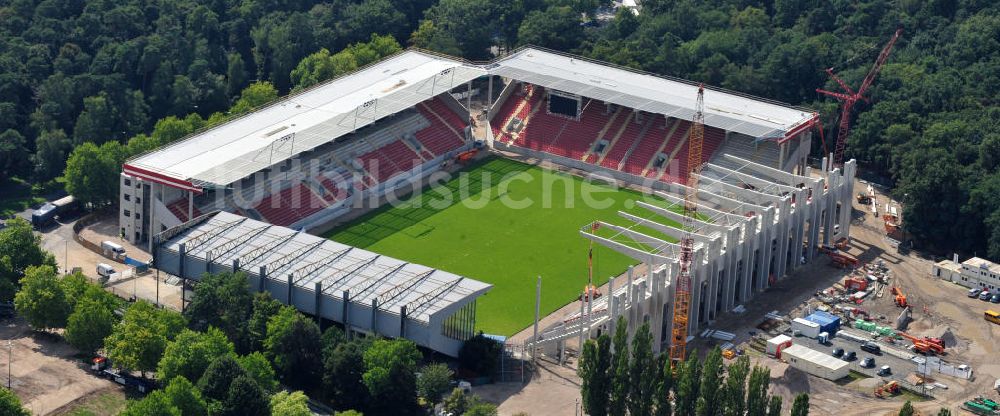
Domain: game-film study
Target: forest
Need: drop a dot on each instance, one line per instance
(140, 74)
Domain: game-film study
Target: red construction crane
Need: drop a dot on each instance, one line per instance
(682, 294)
(925, 345)
(849, 97)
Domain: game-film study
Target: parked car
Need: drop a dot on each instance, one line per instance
(871, 347)
(868, 362)
(986, 295)
(837, 352)
(974, 292)
(850, 356)
(995, 298)
(884, 371)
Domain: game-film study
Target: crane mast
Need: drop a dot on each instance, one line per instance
(849, 97)
(682, 294)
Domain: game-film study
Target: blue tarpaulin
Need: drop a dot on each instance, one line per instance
(827, 322)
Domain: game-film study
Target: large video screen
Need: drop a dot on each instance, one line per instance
(561, 105)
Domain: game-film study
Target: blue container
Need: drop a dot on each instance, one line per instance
(827, 322)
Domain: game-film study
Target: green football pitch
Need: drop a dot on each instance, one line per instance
(504, 222)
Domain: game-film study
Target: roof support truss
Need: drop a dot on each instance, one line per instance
(397, 290)
(418, 304)
(308, 269)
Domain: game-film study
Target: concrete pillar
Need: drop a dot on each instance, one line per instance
(345, 313)
(612, 306)
(656, 310)
(402, 321)
(153, 229)
(766, 242)
(289, 291)
(262, 283)
(781, 234)
(190, 204)
(850, 168)
(489, 97)
(815, 209)
(750, 242)
(318, 291)
(375, 316)
(831, 208)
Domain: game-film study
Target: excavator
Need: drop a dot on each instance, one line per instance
(891, 388)
(925, 345)
(900, 297)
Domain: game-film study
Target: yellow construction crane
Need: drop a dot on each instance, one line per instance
(682, 295)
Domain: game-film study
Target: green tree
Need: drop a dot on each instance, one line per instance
(433, 382)
(253, 96)
(222, 300)
(709, 397)
(52, 149)
(390, 376)
(97, 121)
(264, 308)
(774, 406)
(479, 355)
(688, 383)
(214, 383)
(190, 353)
(92, 172)
(10, 405)
(293, 345)
(457, 402)
(431, 37)
(41, 299)
(800, 407)
(138, 341)
(481, 409)
(342, 376)
(642, 372)
(246, 398)
(295, 403)
(595, 364)
(556, 28)
(944, 412)
(260, 370)
(20, 248)
(185, 397)
(12, 151)
(155, 404)
(470, 23)
(619, 370)
(664, 387)
(907, 409)
(734, 391)
(760, 378)
(89, 324)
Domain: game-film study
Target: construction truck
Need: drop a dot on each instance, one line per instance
(864, 199)
(891, 388)
(900, 297)
(925, 345)
(855, 283)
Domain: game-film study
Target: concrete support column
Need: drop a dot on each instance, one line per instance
(656, 309)
(374, 316)
(815, 209)
(729, 270)
(288, 292)
(318, 291)
(766, 242)
(750, 241)
(782, 233)
(345, 312)
(262, 282)
(831, 208)
(153, 229)
(402, 322)
(847, 189)
(190, 205)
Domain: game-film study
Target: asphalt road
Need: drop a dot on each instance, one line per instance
(900, 367)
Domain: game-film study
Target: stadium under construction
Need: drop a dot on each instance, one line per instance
(307, 160)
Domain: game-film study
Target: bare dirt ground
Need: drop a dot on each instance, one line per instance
(44, 371)
(938, 307)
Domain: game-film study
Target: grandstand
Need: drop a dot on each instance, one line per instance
(308, 159)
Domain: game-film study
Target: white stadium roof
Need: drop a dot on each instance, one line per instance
(234, 150)
(309, 259)
(755, 117)
(300, 122)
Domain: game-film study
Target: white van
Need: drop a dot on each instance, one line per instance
(105, 270)
(112, 250)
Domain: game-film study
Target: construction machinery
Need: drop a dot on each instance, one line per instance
(843, 260)
(849, 97)
(891, 388)
(682, 292)
(900, 297)
(842, 243)
(925, 345)
(855, 283)
(864, 199)
(982, 406)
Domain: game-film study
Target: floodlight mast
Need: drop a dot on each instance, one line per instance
(682, 294)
